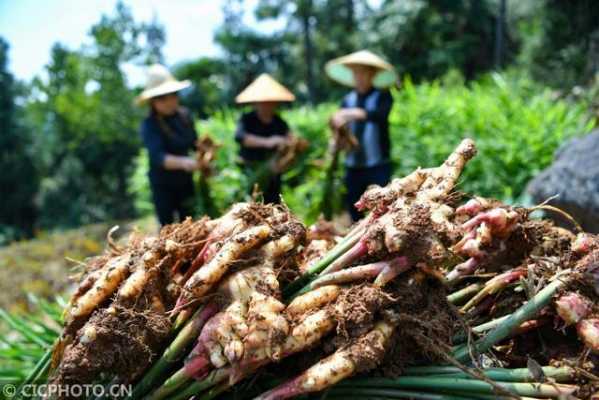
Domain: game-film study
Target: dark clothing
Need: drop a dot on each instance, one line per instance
(172, 190)
(272, 191)
(254, 158)
(372, 133)
(250, 123)
(357, 181)
(179, 140)
(169, 199)
(370, 163)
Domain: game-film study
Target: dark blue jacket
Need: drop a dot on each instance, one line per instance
(176, 135)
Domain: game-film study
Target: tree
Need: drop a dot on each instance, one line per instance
(428, 38)
(564, 49)
(319, 31)
(304, 13)
(155, 40)
(247, 53)
(208, 91)
(19, 179)
(90, 123)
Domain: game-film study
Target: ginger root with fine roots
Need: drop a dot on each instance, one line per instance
(427, 276)
(368, 349)
(120, 307)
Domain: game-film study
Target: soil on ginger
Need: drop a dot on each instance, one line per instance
(538, 238)
(416, 303)
(356, 311)
(126, 343)
(552, 343)
(120, 340)
(426, 323)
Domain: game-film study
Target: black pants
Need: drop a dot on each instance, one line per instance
(272, 191)
(357, 181)
(268, 183)
(170, 199)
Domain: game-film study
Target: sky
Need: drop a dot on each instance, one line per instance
(31, 27)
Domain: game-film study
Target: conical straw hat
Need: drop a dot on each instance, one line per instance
(339, 69)
(160, 82)
(264, 89)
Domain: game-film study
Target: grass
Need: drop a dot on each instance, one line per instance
(26, 340)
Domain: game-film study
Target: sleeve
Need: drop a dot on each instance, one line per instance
(154, 144)
(344, 102)
(383, 108)
(240, 130)
(191, 123)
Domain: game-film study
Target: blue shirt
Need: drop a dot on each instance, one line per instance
(179, 139)
(373, 132)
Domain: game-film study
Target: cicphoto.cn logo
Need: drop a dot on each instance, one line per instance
(83, 391)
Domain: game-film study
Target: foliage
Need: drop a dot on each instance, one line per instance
(208, 91)
(17, 211)
(421, 38)
(72, 134)
(315, 32)
(562, 42)
(516, 124)
(87, 123)
(425, 39)
(247, 53)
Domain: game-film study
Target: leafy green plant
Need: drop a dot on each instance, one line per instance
(516, 124)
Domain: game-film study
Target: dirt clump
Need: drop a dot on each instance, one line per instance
(118, 340)
(426, 323)
(356, 310)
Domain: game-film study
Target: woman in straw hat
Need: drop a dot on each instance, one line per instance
(262, 131)
(169, 136)
(365, 111)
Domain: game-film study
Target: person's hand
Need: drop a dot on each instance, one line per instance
(189, 164)
(338, 119)
(290, 138)
(346, 115)
(277, 141)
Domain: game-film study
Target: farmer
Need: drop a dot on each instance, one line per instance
(261, 132)
(169, 136)
(365, 111)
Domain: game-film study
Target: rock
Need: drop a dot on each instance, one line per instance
(574, 178)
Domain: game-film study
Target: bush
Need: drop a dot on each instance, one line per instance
(517, 127)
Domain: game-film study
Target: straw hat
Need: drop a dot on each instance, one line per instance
(264, 89)
(339, 69)
(160, 82)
